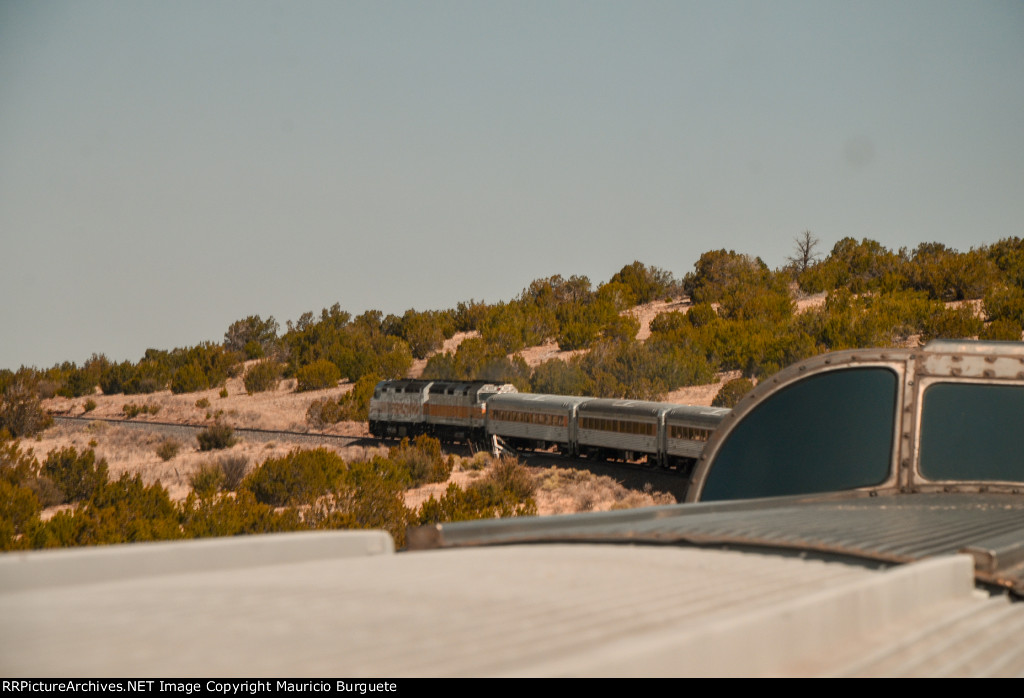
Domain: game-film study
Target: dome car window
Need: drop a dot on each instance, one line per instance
(828, 432)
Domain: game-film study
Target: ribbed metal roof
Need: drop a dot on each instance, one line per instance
(694, 414)
(343, 604)
(561, 403)
(618, 408)
(899, 528)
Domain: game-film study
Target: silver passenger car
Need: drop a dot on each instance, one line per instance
(535, 420)
(687, 430)
(622, 429)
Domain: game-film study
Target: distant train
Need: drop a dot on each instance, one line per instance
(661, 433)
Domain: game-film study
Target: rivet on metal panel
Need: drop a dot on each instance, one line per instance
(955, 358)
(803, 368)
(955, 371)
(988, 373)
(990, 359)
(828, 361)
(910, 382)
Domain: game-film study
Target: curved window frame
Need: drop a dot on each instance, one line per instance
(810, 369)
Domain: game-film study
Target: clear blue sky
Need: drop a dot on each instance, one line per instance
(167, 168)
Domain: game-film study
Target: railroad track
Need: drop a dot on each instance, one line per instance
(189, 431)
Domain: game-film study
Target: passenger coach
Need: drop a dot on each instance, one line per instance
(535, 421)
(622, 429)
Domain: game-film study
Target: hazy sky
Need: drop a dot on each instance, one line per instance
(167, 168)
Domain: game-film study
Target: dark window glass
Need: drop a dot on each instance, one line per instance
(973, 432)
(831, 431)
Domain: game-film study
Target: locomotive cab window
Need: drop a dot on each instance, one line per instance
(831, 431)
(972, 431)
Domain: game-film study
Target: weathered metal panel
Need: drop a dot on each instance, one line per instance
(704, 420)
(899, 528)
(399, 401)
(551, 610)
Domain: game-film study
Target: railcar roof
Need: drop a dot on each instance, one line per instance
(342, 603)
(618, 407)
(887, 528)
(404, 385)
(535, 401)
(695, 414)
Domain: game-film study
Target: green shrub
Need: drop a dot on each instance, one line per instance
(122, 511)
(322, 412)
(318, 375)
(89, 405)
(77, 476)
(422, 460)
(253, 336)
(18, 507)
(952, 323)
(202, 403)
(355, 403)
(859, 266)
(300, 477)
(1002, 329)
(701, 314)
(506, 491)
(207, 480)
(114, 377)
(21, 412)
(560, 378)
(621, 327)
(79, 382)
(21, 469)
(234, 468)
(645, 283)
(262, 376)
(475, 359)
(168, 449)
(241, 514)
(423, 332)
(1005, 303)
(948, 275)
(216, 436)
(131, 410)
(223, 392)
(508, 475)
(368, 496)
(732, 392)
(189, 378)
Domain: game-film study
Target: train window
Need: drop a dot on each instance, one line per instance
(831, 431)
(971, 431)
